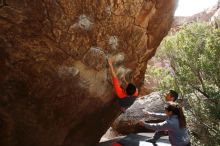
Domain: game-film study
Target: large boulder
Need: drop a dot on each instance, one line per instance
(215, 20)
(55, 87)
(128, 121)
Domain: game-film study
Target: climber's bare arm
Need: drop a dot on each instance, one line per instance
(111, 68)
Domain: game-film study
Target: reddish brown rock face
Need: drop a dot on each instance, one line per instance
(55, 87)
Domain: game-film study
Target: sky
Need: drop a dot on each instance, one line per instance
(190, 7)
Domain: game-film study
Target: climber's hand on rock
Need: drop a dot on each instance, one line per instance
(141, 122)
(110, 61)
(147, 113)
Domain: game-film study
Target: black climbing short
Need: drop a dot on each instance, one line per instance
(127, 101)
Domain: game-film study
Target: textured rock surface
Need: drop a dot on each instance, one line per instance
(55, 88)
(128, 122)
(215, 20)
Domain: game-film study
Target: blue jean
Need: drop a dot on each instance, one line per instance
(159, 134)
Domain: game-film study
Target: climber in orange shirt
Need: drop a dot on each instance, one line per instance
(126, 97)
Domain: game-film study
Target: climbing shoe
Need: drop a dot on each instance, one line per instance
(151, 140)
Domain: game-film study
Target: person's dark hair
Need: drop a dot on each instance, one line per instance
(177, 110)
(130, 89)
(174, 94)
